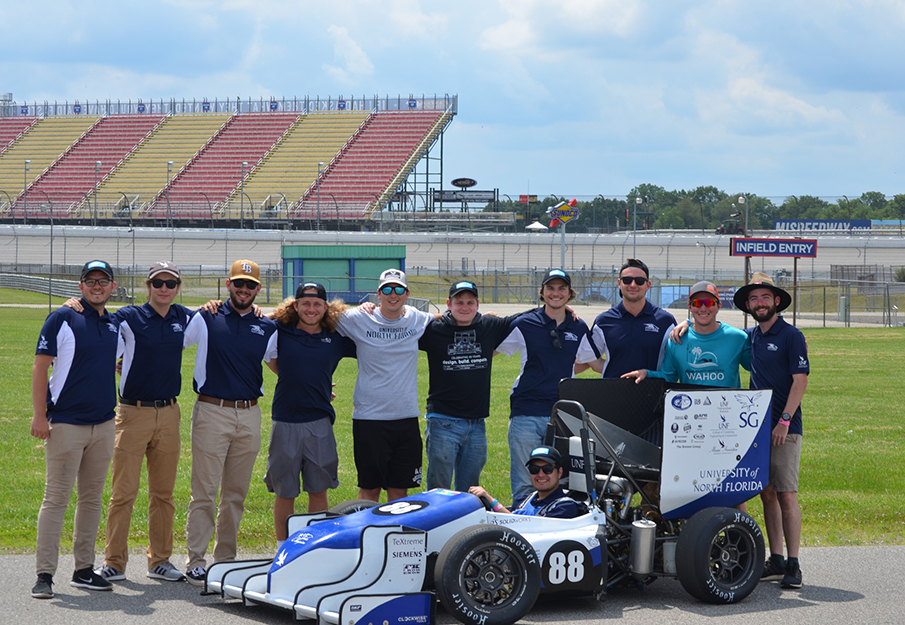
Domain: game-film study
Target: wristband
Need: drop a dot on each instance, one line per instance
(495, 506)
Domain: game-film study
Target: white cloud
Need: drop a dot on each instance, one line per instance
(354, 62)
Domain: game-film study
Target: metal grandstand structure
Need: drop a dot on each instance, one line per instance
(357, 163)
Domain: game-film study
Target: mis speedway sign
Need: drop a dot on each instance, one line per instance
(799, 248)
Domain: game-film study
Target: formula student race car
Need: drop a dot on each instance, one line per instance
(369, 563)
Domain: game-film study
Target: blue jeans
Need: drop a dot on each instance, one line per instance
(454, 446)
(526, 433)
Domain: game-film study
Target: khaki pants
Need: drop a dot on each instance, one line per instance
(75, 455)
(225, 443)
(152, 432)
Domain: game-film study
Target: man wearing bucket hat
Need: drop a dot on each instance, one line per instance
(712, 351)
(779, 360)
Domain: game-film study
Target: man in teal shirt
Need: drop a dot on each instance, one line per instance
(712, 351)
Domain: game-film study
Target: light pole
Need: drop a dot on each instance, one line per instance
(132, 230)
(743, 201)
(97, 167)
(704, 263)
(25, 189)
(319, 167)
(638, 201)
(242, 197)
(252, 208)
(50, 269)
(169, 211)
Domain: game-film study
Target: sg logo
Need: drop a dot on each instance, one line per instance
(749, 419)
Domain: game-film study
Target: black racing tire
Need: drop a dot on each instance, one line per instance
(720, 555)
(352, 506)
(487, 575)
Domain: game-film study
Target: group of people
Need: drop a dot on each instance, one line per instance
(303, 344)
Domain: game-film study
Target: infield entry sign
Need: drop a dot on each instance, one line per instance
(793, 248)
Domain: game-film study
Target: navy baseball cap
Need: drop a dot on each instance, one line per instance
(549, 455)
(554, 274)
(463, 286)
(320, 291)
(97, 265)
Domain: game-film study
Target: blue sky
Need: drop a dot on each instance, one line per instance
(570, 97)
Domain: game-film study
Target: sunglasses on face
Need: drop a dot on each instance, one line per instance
(557, 344)
(241, 284)
(90, 282)
(704, 301)
(639, 280)
(399, 290)
(534, 469)
(171, 284)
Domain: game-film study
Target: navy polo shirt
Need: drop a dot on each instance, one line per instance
(152, 356)
(230, 350)
(546, 359)
(776, 355)
(82, 388)
(628, 342)
(306, 365)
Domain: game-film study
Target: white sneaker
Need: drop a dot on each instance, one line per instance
(167, 572)
(109, 573)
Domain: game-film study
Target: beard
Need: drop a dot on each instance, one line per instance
(760, 315)
(240, 307)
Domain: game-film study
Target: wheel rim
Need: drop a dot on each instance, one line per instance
(492, 577)
(732, 557)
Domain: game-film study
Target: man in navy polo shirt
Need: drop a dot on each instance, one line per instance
(779, 360)
(548, 340)
(631, 335)
(73, 415)
(147, 423)
(226, 419)
(301, 436)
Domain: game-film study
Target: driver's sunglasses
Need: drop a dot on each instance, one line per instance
(704, 301)
(171, 284)
(534, 469)
(90, 282)
(557, 344)
(239, 283)
(639, 280)
(400, 290)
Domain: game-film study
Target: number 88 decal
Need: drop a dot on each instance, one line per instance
(567, 565)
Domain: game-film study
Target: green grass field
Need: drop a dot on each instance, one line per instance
(853, 465)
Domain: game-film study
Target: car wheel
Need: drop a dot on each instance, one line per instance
(720, 555)
(487, 575)
(353, 505)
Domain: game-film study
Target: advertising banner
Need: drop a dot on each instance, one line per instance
(716, 449)
(802, 248)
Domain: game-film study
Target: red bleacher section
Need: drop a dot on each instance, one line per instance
(365, 167)
(12, 127)
(72, 176)
(216, 169)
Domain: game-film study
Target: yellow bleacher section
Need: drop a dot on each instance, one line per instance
(143, 174)
(291, 166)
(42, 144)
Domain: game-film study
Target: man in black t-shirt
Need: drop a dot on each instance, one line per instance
(459, 347)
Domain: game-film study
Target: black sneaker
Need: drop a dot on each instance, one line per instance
(44, 588)
(773, 572)
(792, 578)
(89, 580)
(196, 576)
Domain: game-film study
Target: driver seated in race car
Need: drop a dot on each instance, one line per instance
(549, 499)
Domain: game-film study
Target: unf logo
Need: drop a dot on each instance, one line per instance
(246, 268)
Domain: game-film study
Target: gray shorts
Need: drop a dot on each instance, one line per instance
(306, 450)
(785, 460)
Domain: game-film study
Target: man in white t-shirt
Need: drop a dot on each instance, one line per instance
(385, 430)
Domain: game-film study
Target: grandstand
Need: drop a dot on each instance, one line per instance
(222, 164)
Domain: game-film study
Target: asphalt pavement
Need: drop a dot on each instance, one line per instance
(842, 585)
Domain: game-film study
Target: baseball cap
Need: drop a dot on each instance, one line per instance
(162, 267)
(97, 265)
(554, 274)
(547, 454)
(320, 294)
(462, 287)
(392, 276)
(245, 270)
(634, 262)
(702, 287)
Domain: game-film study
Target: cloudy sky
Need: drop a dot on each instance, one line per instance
(568, 97)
